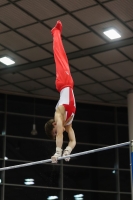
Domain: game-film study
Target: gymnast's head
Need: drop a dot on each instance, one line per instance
(50, 129)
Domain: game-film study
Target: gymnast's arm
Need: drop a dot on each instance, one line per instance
(71, 136)
(72, 141)
(60, 129)
(59, 136)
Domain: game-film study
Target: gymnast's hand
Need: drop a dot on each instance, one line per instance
(67, 152)
(57, 154)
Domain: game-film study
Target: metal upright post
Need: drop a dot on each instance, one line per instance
(61, 180)
(117, 158)
(131, 167)
(3, 172)
(130, 113)
(4, 151)
(130, 128)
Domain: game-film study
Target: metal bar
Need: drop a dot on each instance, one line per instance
(69, 156)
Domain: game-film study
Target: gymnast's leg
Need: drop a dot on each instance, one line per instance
(63, 75)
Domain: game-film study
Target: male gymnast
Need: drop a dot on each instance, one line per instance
(66, 107)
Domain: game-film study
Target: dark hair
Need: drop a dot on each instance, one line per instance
(48, 128)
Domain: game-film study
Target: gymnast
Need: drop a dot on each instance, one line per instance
(66, 106)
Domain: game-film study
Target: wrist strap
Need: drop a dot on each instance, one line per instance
(68, 149)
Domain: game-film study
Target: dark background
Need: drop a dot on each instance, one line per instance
(95, 126)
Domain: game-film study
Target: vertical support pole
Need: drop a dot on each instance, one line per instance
(117, 157)
(131, 167)
(3, 172)
(61, 180)
(130, 127)
(4, 151)
(130, 113)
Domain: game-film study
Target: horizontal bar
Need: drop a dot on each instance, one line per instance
(63, 157)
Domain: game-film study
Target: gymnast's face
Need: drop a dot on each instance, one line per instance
(54, 131)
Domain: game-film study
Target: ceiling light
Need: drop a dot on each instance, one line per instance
(3, 132)
(112, 34)
(7, 61)
(52, 197)
(29, 181)
(78, 195)
(34, 131)
(5, 158)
